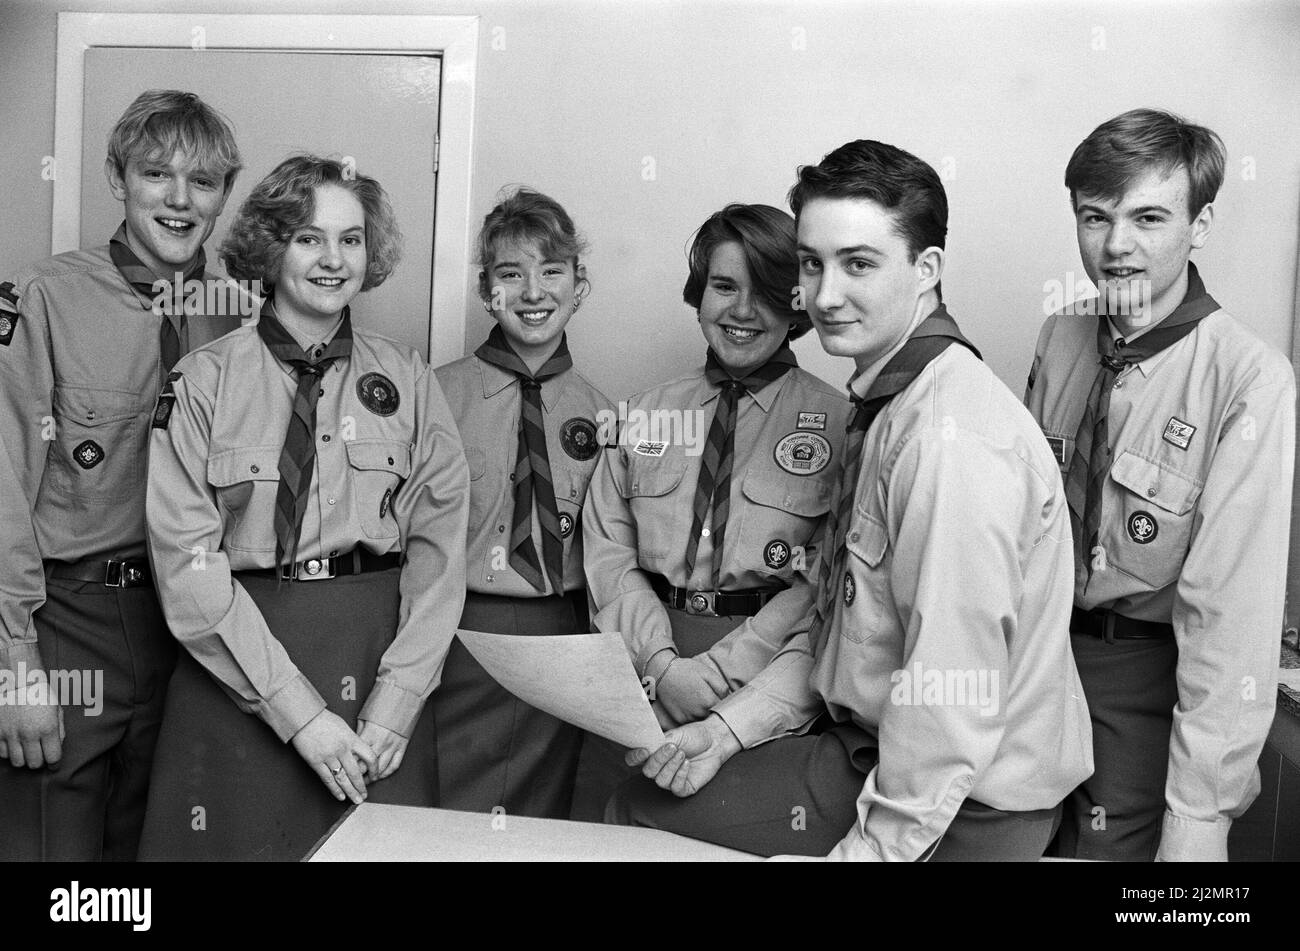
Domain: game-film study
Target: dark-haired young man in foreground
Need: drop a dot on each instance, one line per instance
(1174, 426)
(949, 719)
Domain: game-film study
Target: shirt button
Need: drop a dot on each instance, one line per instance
(390, 460)
(330, 501)
(1151, 492)
(573, 493)
(334, 554)
(491, 578)
(325, 438)
(1118, 384)
(501, 528)
(90, 415)
(854, 537)
(254, 469)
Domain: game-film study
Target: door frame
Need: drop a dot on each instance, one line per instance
(453, 38)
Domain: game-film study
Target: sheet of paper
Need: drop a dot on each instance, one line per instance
(584, 679)
(1289, 678)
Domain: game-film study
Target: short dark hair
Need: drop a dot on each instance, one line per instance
(766, 236)
(898, 181)
(1127, 146)
(164, 121)
(285, 201)
(525, 215)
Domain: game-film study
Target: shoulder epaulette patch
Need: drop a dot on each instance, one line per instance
(8, 313)
(162, 411)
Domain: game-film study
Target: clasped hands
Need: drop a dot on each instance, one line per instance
(343, 758)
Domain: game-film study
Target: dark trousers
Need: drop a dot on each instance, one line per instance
(90, 806)
(798, 796)
(601, 769)
(1116, 813)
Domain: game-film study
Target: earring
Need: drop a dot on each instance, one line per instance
(487, 306)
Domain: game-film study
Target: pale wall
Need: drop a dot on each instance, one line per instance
(726, 104)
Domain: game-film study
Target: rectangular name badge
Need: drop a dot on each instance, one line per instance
(811, 421)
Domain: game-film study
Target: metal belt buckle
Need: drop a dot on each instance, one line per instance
(117, 574)
(700, 603)
(313, 569)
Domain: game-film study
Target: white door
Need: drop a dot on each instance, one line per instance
(381, 110)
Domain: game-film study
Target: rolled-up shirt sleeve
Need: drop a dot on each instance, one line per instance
(432, 510)
(208, 611)
(956, 508)
(1227, 619)
(619, 590)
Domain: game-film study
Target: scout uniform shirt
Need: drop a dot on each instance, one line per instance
(484, 400)
(390, 476)
(949, 636)
(79, 371)
(639, 511)
(1194, 533)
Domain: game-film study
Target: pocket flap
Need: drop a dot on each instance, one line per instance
(867, 539)
(381, 454)
(1161, 486)
(800, 495)
(258, 464)
(652, 480)
(91, 407)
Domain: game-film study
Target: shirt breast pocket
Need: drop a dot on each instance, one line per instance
(246, 481)
(99, 445)
(1147, 519)
(778, 522)
(864, 589)
(659, 510)
(378, 468)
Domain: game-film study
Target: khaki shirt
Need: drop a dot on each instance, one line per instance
(639, 511)
(484, 400)
(78, 380)
(1194, 533)
(383, 483)
(948, 639)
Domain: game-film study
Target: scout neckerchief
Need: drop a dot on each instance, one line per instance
(298, 457)
(533, 483)
(932, 337)
(714, 485)
(141, 279)
(1091, 460)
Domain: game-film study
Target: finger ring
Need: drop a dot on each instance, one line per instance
(336, 770)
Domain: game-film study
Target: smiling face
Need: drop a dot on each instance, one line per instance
(171, 206)
(532, 297)
(324, 263)
(859, 283)
(741, 328)
(1135, 249)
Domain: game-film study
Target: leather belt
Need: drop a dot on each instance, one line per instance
(355, 562)
(115, 573)
(713, 603)
(1111, 627)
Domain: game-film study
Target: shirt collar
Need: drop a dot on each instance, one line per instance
(764, 397)
(496, 379)
(1151, 363)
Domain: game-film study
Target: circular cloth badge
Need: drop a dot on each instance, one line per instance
(88, 454)
(776, 554)
(850, 588)
(378, 394)
(1142, 528)
(803, 453)
(566, 524)
(578, 437)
